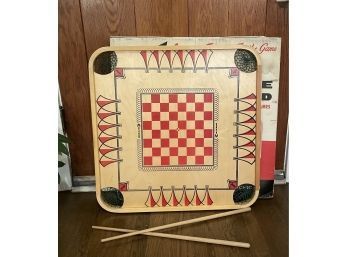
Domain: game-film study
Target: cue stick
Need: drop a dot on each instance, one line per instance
(176, 224)
(180, 237)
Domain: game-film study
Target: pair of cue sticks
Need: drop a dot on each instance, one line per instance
(180, 237)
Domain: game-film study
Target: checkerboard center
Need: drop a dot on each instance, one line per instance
(177, 129)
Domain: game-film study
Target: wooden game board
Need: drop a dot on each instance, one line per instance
(175, 128)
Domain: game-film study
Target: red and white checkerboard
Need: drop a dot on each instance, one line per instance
(177, 129)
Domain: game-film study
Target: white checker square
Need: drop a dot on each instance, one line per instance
(164, 151)
(182, 151)
(164, 116)
(155, 107)
(173, 124)
(173, 107)
(164, 98)
(164, 133)
(181, 115)
(147, 134)
(156, 125)
(173, 142)
(199, 98)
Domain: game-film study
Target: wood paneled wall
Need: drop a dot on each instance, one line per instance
(86, 25)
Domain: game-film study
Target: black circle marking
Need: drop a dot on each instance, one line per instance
(105, 63)
(245, 60)
(244, 193)
(112, 196)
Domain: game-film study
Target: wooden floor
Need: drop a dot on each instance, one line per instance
(265, 228)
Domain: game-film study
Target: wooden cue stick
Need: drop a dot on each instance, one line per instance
(176, 224)
(181, 237)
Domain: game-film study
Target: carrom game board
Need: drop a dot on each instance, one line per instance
(176, 128)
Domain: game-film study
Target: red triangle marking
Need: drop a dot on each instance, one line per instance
(250, 132)
(152, 201)
(204, 54)
(168, 53)
(209, 200)
(105, 139)
(175, 201)
(104, 151)
(164, 201)
(249, 144)
(198, 201)
(251, 96)
(250, 109)
(144, 55)
(103, 115)
(180, 54)
(187, 201)
(249, 156)
(155, 53)
(192, 53)
(102, 103)
(105, 127)
(251, 120)
(105, 163)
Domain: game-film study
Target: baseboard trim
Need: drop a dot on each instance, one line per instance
(80, 181)
(83, 189)
(280, 177)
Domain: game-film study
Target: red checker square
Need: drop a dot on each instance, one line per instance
(173, 116)
(156, 151)
(173, 133)
(165, 160)
(199, 124)
(147, 160)
(190, 98)
(199, 107)
(182, 124)
(190, 115)
(199, 159)
(156, 116)
(164, 124)
(146, 107)
(208, 151)
(182, 160)
(173, 98)
(164, 107)
(173, 151)
(199, 142)
(165, 142)
(191, 133)
(156, 133)
(182, 107)
(208, 98)
(147, 143)
(208, 133)
(208, 115)
(191, 151)
(182, 142)
(155, 98)
(147, 125)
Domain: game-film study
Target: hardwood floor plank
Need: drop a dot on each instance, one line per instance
(265, 228)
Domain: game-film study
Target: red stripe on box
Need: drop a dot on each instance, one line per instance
(268, 154)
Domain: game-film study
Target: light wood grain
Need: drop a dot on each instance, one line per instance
(180, 237)
(181, 223)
